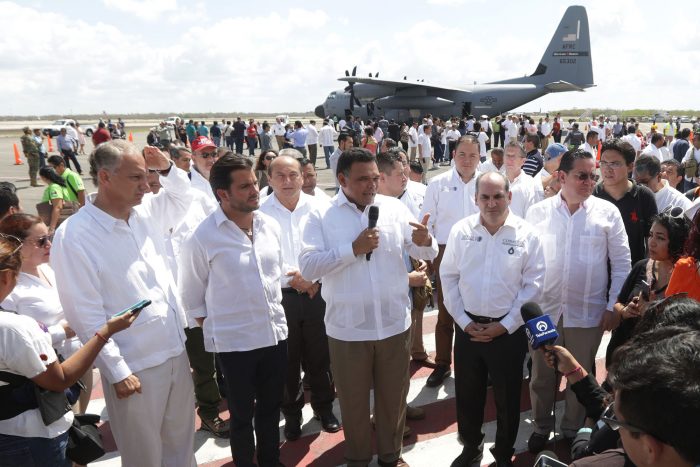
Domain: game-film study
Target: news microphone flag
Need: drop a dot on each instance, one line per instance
(539, 328)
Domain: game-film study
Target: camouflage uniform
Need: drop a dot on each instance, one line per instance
(31, 152)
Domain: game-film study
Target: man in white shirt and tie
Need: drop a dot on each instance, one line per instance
(448, 199)
(581, 235)
(301, 299)
(110, 255)
(367, 313)
(230, 273)
(493, 264)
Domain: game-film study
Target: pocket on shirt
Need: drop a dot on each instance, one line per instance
(591, 249)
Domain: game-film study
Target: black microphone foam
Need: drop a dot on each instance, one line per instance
(530, 310)
(372, 216)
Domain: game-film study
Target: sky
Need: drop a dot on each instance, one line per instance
(138, 56)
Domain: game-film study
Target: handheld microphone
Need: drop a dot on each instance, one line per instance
(373, 216)
(538, 327)
(548, 459)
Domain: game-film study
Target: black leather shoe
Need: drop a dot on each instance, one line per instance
(292, 428)
(329, 422)
(438, 376)
(468, 458)
(537, 442)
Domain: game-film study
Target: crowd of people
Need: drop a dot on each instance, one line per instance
(259, 283)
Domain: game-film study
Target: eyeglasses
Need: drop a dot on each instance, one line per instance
(611, 420)
(582, 177)
(612, 165)
(207, 155)
(44, 240)
(674, 211)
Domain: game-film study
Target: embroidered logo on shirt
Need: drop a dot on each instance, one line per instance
(511, 250)
(471, 238)
(634, 217)
(513, 243)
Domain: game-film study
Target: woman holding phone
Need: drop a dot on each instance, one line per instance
(649, 277)
(26, 356)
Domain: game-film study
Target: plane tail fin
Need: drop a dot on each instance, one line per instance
(568, 56)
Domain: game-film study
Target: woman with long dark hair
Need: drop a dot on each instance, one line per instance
(686, 274)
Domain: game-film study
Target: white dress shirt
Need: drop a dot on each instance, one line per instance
(412, 137)
(291, 225)
(326, 135)
(321, 194)
(482, 137)
(577, 248)
(278, 129)
(425, 147)
(234, 284)
(523, 192)
(104, 265)
(539, 188)
(365, 300)
(634, 141)
(652, 150)
(545, 129)
(312, 135)
(202, 184)
(491, 275)
(448, 199)
(669, 196)
(489, 166)
(592, 150)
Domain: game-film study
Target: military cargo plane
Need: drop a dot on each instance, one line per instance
(565, 66)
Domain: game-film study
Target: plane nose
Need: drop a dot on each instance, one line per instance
(319, 112)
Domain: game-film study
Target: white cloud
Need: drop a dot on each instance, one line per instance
(144, 9)
(288, 59)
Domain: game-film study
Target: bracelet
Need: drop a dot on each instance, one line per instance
(101, 337)
(578, 369)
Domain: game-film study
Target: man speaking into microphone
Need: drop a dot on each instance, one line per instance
(368, 317)
(493, 263)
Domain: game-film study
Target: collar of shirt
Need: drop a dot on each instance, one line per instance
(585, 204)
(104, 220)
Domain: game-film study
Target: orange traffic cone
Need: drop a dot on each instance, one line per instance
(50, 144)
(131, 138)
(18, 160)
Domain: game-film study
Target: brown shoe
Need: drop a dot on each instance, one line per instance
(426, 362)
(401, 463)
(415, 413)
(217, 426)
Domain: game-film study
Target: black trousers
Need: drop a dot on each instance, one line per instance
(238, 140)
(254, 380)
(307, 342)
(502, 358)
(68, 156)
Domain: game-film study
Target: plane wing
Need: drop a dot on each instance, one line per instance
(397, 85)
(562, 86)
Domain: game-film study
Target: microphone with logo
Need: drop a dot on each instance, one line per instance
(373, 216)
(538, 327)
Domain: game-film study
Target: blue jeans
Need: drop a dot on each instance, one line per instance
(327, 151)
(34, 452)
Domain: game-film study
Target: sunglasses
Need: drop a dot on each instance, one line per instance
(610, 419)
(207, 155)
(582, 177)
(44, 240)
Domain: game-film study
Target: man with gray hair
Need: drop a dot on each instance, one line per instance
(522, 186)
(493, 264)
(110, 255)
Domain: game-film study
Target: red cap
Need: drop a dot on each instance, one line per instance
(202, 142)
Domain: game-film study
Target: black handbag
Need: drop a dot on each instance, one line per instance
(84, 440)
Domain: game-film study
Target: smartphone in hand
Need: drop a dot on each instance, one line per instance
(135, 308)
